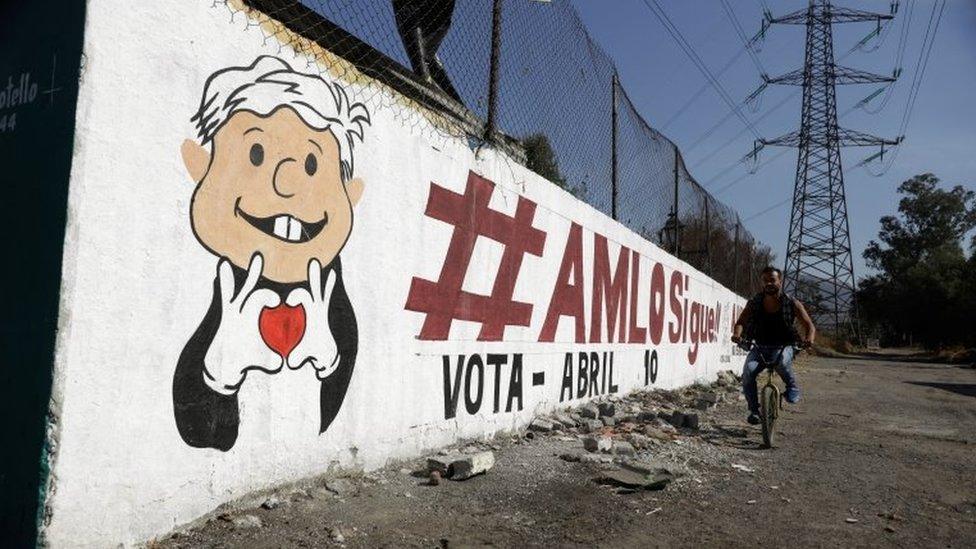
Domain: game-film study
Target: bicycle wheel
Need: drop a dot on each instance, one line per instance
(770, 408)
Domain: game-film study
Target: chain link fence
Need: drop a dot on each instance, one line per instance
(523, 76)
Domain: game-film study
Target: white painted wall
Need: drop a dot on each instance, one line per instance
(137, 284)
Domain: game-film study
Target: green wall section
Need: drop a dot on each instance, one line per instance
(40, 55)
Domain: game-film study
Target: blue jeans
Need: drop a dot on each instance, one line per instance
(754, 366)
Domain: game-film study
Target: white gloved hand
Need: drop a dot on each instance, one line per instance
(237, 346)
(317, 347)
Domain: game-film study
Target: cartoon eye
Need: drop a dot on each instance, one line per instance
(311, 164)
(257, 154)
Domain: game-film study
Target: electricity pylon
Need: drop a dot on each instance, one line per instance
(819, 269)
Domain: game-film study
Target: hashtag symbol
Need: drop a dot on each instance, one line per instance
(444, 301)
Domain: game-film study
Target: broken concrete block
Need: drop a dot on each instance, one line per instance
(472, 465)
(461, 467)
(247, 521)
(711, 397)
(658, 434)
(541, 425)
(595, 458)
(677, 418)
(666, 426)
(341, 487)
(590, 425)
(623, 448)
(640, 441)
(607, 409)
(563, 420)
(608, 421)
(647, 415)
(597, 444)
(589, 411)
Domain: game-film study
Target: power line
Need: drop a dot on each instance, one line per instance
(928, 41)
(742, 177)
(731, 140)
(679, 39)
(711, 34)
(774, 157)
(903, 37)
(701, 90)
(742, 37)
(920, 73)
(899, 57)
(767, 210)
(708, 133)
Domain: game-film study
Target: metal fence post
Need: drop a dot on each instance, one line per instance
(613, 146)
(749, 270)
(735, 259)
(496, 32)
(677, 232)
(708, 239)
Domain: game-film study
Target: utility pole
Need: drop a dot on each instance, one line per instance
(819, 268)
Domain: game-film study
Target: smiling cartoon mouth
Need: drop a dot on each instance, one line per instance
(285, 227)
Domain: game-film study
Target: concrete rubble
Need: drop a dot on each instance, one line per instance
(627, 437)
(461, 466)
(639, 441)
(622, 435)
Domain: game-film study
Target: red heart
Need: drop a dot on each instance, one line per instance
(282, 327)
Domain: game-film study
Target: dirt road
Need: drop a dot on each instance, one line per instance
(878, 453)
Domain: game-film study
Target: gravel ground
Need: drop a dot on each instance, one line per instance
(880, 452)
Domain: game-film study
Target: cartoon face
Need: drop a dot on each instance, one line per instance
(272, 185)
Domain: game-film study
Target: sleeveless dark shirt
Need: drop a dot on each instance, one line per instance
(775, 328)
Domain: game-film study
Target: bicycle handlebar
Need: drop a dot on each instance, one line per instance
(748, 344)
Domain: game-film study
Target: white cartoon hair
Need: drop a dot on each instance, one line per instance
(269, 83)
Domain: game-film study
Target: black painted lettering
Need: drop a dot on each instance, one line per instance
(613, 386)
(583, 363)
(594, 372)
(497, 360)
(451, 394)
(515, 383)
(473, 404)
(566, 388)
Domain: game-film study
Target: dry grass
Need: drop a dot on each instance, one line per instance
(957, 355)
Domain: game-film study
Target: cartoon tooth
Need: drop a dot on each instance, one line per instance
(281, 226)
(294, 229)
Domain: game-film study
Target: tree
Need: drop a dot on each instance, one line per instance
(924, 287)
(540, 158)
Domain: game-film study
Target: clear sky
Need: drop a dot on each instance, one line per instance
(659, 78)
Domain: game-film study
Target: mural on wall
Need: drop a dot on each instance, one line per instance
(274, 201)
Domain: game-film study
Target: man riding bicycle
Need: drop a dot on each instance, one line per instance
(767, 320)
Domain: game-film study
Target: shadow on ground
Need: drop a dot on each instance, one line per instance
(964, 389)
